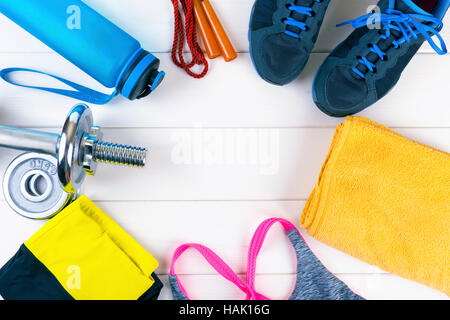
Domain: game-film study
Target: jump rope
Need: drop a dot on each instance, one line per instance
(198, 14)
(190, 29)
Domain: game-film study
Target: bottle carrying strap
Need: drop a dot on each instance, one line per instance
(217, 263)
(256, 245)
(80, 93)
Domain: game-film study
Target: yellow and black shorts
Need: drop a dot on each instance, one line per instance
(80, 254)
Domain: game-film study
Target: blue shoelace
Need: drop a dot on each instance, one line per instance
(290, 21)
(409, 25)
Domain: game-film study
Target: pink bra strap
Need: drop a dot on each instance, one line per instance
(256, 244)
(217, 263)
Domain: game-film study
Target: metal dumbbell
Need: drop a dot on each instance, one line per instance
(77, 149)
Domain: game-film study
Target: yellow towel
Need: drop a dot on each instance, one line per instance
(385, 200)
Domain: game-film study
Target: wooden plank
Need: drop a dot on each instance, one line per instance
(222, 164)
(224, 227)
(388, 287)
(369, 286)
(151, 22)
(230, 96)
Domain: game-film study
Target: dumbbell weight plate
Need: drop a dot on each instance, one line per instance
(78, 123)
(32, 188)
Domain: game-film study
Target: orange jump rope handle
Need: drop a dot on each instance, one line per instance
(225, 45)
(208, 37)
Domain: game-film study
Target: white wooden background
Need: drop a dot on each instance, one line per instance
(189, 192)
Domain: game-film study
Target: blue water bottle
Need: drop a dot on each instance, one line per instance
(91, 42)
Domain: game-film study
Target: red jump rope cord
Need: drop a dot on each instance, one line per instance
(198, 58)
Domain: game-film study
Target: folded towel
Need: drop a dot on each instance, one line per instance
(385, 200)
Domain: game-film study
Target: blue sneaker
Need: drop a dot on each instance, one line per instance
(282, 35)
(368, 64)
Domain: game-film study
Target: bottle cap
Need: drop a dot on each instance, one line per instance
(142, 78)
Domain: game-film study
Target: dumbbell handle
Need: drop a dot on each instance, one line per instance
(78, 148)
(29, 140)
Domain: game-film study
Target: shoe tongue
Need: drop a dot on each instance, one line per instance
(298, 16)
(405, 6)
(304, 3)
(384, 45)
(413, 6)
